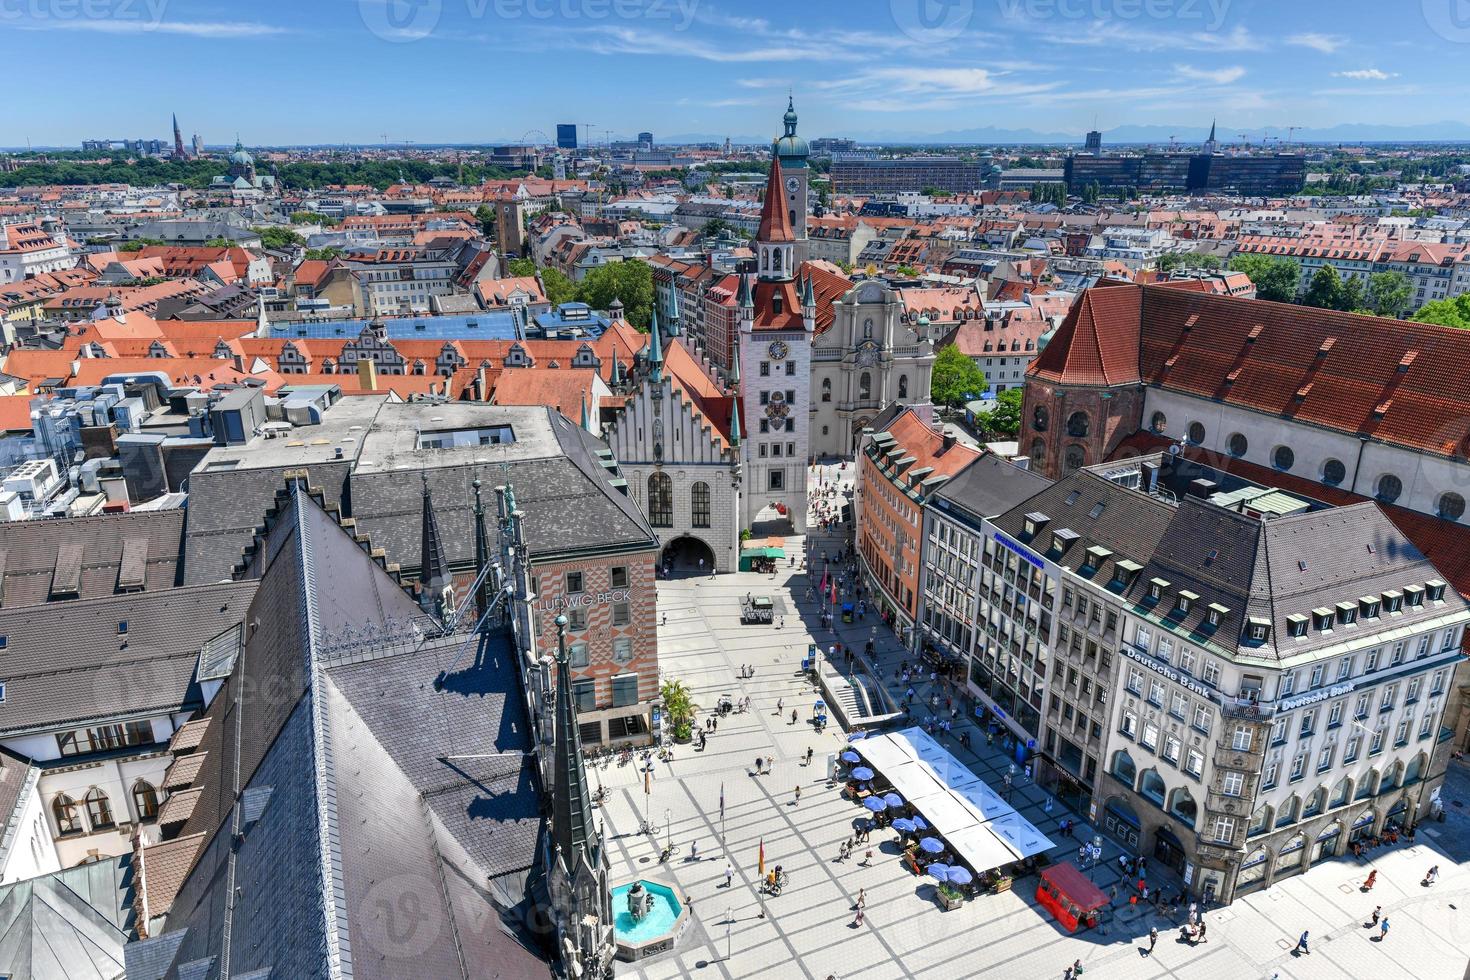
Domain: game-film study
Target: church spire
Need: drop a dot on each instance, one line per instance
(735, 421)
(674, 312)
(656, 348)
(435, 583)
(482, 554)
(571, 819)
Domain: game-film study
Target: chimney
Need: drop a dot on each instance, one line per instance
(948, 440)
(367, 374)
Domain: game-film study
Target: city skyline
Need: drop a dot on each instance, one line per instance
(701, 69)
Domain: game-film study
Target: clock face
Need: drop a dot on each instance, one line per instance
(792, 184)
(778, 350)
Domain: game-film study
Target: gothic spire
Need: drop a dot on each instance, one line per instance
(434, 577)
(482, 554)
(674, 312)
(775, 223)
(571, 818)
(655, 347)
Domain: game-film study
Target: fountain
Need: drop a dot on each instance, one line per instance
(648, 918)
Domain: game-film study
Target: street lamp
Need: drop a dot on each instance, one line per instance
(668, 831)
(729, 919)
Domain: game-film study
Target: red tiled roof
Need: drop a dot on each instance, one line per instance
(1098, 342)
(775, 223)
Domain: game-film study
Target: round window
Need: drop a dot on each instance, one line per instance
(1390, 488)
(1333, 472)
(1283, 457)
(1159, 422)
(1197, 432)
(1451, 506)
(1238, 444)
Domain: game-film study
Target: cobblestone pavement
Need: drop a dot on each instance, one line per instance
(809, 930)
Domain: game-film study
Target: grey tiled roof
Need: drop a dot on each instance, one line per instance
(67, 661)
(30, 550)
(989, 486)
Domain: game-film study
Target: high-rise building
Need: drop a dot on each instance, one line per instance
(566, 136)
(1094, 142)
(646, 139)
(906, 174)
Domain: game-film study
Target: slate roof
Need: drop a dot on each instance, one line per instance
(67, 662)
(989, 486)
(105, 555)
(334, 761)
(69, 925)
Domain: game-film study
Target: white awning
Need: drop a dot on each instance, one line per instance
(980, 848)
(1019, 835)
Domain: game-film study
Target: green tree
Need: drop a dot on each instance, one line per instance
(1391, 293)
(218, 243)
(312, 218)
(1325, 289)
(906, 271)
(679, 704)
(714, 227)
(278, 237)
(1170, 261)
(324, 254)
(1005, 418)
(559, 289)
(485, 215)
(956, 378)
(1353, 296)
(1275, 279)
(520, 267)
(630, 282)
(138, 244)
(1446, 312)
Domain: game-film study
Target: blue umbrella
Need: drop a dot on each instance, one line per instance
(893, 799)
(851, 756)
(862, 773)
(875, 804)
(932, 845)
(855, 736)
(904, 824)
(919, 823)
(940, 871)
(960, 876)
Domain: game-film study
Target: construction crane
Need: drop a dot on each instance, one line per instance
(1291, 134)
(1246, 139)
(587, 133)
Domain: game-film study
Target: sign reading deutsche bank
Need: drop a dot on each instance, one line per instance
(1020, 549)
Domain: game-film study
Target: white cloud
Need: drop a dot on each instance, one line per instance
(923, 88)
(1326, 43)
(1218, 76)
(1117, 35)
(1367, 74)
(763, 82)
(228, 30)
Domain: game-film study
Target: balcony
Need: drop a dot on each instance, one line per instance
(1248, 708)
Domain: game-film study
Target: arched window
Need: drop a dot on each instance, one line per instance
(1389, 488)
(1074, 459)
(1038, 453)
(1334, 471)
(1182, 805)
(1159, 422)
(1315, 803)
(145, 800)
(68, 817)
(660, 500)
(865, 386)
(1123, 768)
(1237, 444)
(1415, 770)
(1260, 821)
(826, 389)
(1367, 786)
(99, 809)
(1151, 786)
(1451, 506)
(903, 386)
(1340, 792)
(1040, 419)
(1287, 814)
(1078, 424)
(1283, 458)
(1197, 432)
(1393, 778)
(699, 505)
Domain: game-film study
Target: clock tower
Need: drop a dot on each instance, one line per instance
(777, 320)
(792, 151)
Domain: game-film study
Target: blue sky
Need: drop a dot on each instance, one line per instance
(480, 70)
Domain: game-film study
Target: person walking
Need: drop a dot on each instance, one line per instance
(1202, 931)
(1371, 881)
(729, 875)
(858, 920)
(1301, 944)
(1432, 876)
(793, 716)
(694, 850)
(1383, 929)
(798, 794)
(809, 755)
(1377, 910)
(1153, 939)
(862, 901)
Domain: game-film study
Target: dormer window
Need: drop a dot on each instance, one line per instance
(1063, 539)
(1296, 624)
(1393, 601)
(1034, 522)
(1156, 588)
(1414, 595)
(1258, 630)
(1347, 613)
(1216, 614)
(1368, 607)
(1096, 555)
(1322, 619)
(1186, 602)
(1124, 571)
(1436, 590)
